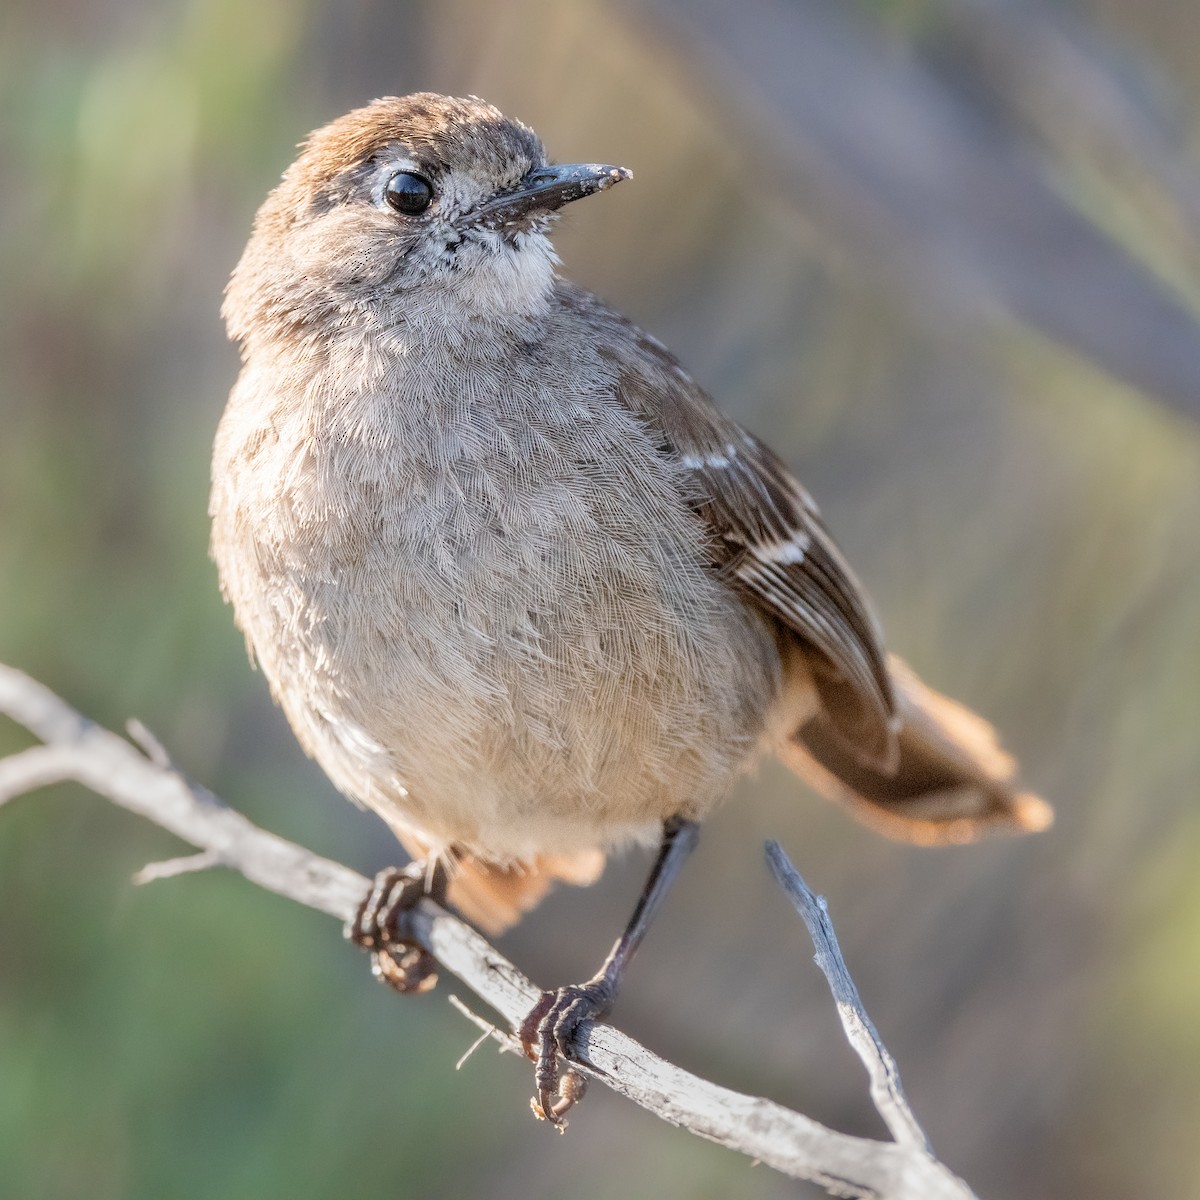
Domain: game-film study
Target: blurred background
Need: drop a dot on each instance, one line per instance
(945, 256)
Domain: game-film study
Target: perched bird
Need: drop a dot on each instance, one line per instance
(518, 586)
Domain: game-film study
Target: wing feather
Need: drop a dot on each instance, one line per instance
(766, 535)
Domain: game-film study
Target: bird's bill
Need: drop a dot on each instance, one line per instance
(546, 189)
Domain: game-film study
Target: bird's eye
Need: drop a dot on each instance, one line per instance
(408, 193)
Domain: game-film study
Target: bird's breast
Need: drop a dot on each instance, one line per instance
(487, 610)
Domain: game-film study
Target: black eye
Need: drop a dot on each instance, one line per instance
(408, 193)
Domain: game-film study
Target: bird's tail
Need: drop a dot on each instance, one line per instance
(494, 897)
(953, 783)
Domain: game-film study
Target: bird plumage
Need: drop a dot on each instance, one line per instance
(518, 585)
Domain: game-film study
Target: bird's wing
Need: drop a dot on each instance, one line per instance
(767, 537)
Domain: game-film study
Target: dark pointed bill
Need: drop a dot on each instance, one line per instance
(546, 189)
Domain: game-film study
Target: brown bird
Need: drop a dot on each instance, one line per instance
(519, 587)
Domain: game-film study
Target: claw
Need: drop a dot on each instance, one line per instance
(552, 1107)
(546, 1035)
(528, 1033)
(402, 965)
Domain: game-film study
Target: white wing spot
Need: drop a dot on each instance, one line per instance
(718, 459)
(785, 553)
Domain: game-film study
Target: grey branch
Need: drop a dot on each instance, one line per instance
(145, 783)
(884, 1075)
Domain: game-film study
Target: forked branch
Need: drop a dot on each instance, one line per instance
(140, 778)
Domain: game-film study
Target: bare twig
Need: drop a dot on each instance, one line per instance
(504, 1040)
(154, 750)
(184, 865)
(792, 1143)
(884, 1075)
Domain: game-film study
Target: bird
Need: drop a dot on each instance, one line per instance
(519, 587)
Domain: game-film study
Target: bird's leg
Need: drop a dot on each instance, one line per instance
(402, 965)
(547, 1032)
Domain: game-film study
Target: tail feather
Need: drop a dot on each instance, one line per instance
(953, 782)
(493, 898)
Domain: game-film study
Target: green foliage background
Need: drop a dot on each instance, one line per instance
(1027, 525)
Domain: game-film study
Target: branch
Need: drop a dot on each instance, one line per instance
(145, 783)
(884, 1075)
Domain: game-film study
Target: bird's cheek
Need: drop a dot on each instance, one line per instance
(348, 251)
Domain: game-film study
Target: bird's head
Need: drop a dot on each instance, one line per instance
(407, 203)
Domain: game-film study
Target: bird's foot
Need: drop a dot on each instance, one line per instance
(547, 1035)
(401, 964)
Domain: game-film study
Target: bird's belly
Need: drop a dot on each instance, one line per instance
(526, 706)
(513, 660)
